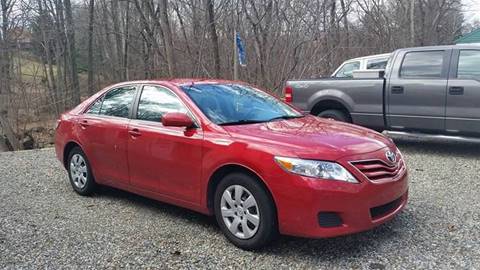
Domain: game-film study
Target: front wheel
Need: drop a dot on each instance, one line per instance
(245, 211)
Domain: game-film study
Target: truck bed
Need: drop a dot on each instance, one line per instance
(363, 98)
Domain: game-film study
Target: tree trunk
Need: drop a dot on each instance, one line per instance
(8, 131)
(118, 40)
(412, 23)
(168, 39)
(91, 15)
(5, 57)
(72, 53)
(213, 36)
(125, 44)
(346, 27)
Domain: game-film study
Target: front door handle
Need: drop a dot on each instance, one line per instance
(455, 90)
(134, 132)
(397, 89)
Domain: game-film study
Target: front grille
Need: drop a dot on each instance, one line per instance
(377, 170)
(382, 210)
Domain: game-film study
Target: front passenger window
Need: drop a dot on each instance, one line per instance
(426, 64)
(118, 101)
(156, 101)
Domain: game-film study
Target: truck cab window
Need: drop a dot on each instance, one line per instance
(468, 64)
(428, 64)
(347, 70)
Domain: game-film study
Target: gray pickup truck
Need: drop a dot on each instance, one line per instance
(425, 89)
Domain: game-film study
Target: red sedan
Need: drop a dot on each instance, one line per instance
(228, 149)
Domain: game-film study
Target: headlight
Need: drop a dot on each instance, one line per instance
(316, 169)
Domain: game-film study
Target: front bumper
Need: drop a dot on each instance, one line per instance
(303, 202)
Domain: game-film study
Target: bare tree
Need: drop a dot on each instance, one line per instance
(91, 67)
(168, 37)
(72, 53)
(213, 35)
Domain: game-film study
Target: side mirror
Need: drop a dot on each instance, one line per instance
(174, 119)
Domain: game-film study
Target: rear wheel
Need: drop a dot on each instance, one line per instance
(245, 211)
(336, 115)
(80, 173)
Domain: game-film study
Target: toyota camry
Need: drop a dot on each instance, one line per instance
(228, 149)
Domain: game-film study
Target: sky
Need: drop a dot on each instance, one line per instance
(471, 10)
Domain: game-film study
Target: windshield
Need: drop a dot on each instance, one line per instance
(226, 104)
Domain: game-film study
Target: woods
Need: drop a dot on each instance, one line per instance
(54, 53)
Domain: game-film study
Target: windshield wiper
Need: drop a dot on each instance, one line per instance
(285, 117)
(241, 122)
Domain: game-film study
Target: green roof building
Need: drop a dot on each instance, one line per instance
(472, 37)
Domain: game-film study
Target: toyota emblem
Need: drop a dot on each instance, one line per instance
(391, 156)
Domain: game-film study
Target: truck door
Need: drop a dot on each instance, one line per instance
(416, 90)
(463, 94)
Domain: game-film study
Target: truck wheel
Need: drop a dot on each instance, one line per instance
(336, 115)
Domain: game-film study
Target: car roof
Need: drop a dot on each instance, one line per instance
(442, 47)
(178, 81)
(369, 57)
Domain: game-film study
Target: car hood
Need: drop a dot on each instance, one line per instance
(310, 137)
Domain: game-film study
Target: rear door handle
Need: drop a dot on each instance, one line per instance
(84, 124)
(134, 132)
(397, 89)
(455, 90)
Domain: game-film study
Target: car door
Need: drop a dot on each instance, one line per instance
(463, 98)
(167, 160)
(416, 90)
(104, 134)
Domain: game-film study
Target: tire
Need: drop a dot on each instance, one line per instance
(256, 236)
(336, 115)
(80, 172)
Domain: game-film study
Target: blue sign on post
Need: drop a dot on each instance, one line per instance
(241, 51)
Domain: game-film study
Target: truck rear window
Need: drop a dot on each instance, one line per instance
(469, 64)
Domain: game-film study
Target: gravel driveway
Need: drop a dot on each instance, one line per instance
(44, 224)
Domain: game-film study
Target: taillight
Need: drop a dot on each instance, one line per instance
(288, 92)
(59, 121)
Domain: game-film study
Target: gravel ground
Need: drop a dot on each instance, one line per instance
(44, 224)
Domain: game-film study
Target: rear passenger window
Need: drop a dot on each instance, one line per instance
(118, 101)
(422, 65)
(156, 101)
(468, 64)
(95, 107)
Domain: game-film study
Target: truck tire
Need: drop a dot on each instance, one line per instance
(336, 115)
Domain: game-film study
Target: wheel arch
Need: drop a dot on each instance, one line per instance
(66, 150)
(336, 97)
(330, 104)
(229, 168)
